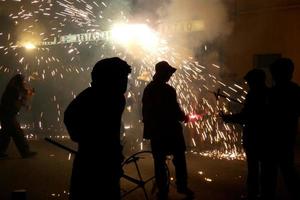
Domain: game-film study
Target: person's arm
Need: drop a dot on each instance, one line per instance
(71, 121)
(241, 117)
(25, 93)
(146, 114)
(298, 100)
(175, 107)
(237, 118)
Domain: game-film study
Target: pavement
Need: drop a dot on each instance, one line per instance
(46, 176)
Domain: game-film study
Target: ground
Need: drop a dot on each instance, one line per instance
(47, 175)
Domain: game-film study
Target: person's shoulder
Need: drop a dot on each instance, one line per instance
(85, 93)
(293, 88)
(294, 85)
(82, 96)
(296, 88)
(169, 87)
(10, 93)
(147, 87)
(267, 90)
(151, 85)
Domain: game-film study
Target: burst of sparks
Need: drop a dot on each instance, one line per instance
(59, 61)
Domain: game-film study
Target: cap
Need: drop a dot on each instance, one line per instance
(164, 67)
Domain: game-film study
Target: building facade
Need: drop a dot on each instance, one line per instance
(263, 31)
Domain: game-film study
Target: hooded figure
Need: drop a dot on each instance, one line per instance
(93, 120)
(162, 117)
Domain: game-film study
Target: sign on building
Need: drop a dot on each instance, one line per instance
(182, 26)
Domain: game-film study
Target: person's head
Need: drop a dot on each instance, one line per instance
(282, 70)
(256, 78)
(16, 81)
(163, 71)
(111, 74)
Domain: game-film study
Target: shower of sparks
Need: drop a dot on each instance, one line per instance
(55, 58)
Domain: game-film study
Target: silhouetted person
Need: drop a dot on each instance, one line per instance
(284, 115)
(162, 117)
(93, 120)
(15, 96)
(253, 118)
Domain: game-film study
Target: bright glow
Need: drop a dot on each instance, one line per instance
(29, 45)
(133, 35)
(194, 117)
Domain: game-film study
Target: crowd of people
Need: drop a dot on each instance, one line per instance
(270, 122)
(269, 118)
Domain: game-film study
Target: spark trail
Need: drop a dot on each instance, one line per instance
(63, 68)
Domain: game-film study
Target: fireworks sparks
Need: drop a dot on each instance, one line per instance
(74, 35)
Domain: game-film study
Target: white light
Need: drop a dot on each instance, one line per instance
(134, 35)
(29, 46)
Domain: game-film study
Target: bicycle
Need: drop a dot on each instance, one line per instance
(139, 163)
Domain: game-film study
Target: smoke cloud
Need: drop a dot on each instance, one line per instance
(174, 18)
(213, 13)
